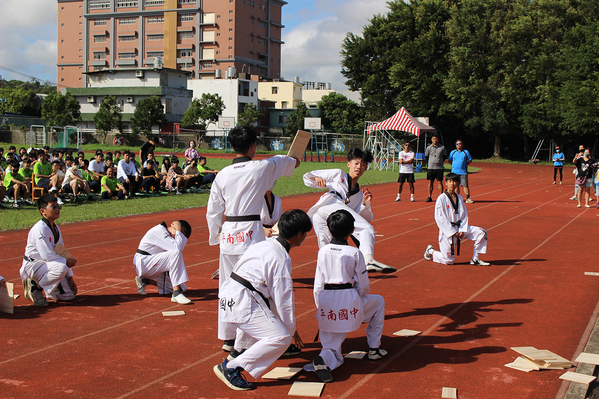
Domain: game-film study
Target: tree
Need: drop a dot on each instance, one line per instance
(61, 110)
(203, 111)
(295, 121)
(148, 112)
(19, 101)
(341, 114)
(250, 115)
(109, 115)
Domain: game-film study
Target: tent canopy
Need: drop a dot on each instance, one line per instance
(404, 122)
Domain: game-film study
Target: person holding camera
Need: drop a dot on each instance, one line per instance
(585, 166)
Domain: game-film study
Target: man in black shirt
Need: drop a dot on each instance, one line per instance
(585, 166)
(148, 146)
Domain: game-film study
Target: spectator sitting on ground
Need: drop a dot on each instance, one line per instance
(27, 172)
(46, 149)
(111, 187)
(191, 153)
(136, 162)
(117, 157)
(98, 171)
(81, 155)
(176, 174)
(22, 152)
(164, 168)
(86, 174)
(56, 190)
(152, 160)
(127, 173)
(43, 176)
(15, 184)
(150, 178)
(74, 183)
(3, 163)
(208, 174)
(108, 164)
(13, 150)
(32, 154)
(193, 174)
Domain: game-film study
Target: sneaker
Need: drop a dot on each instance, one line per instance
(53, 189)
(376, 266)
(469, 201)
(215, 275)
(479, 262)
(292, 351)
(181, 299)
(321, 369)
(427, 253)
(572, 198)
(553, 183)
(38, 298)
(27, 288)
(178, 192)
(29, 202)
(587, 206)
(59, 201)
(232, 378)
(429, 199)
(412, 199)
(228, 345)
(376, 354)
(141, 286)
(16, 205)
(560, 183)
(398, 198)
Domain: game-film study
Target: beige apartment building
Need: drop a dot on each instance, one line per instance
(204, 37)
(284, 93)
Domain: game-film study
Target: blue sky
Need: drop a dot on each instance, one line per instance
(313, 33)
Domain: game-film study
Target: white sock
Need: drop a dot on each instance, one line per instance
(368, 258)
(398, 195)
(412, 196)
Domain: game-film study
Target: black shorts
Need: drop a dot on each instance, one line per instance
(434, 174)
(403, 177)
(43, 182)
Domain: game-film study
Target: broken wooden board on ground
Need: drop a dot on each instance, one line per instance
(523, 364)
(282, 373)
(312, 389)
(174, 313)
(7, 299)
(544, 358)
(589, 358)
(577, 377)
(355, 355)
(406, 333)
(449, 393)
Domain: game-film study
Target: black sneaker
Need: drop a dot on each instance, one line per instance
(376, 354)
(292, 351)
(321, 369)
(228, 345)
(429, 199)
(232, 378)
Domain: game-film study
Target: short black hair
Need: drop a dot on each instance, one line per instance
(174, 159)
(185, 228)
(358, 153)
(117, 152)
(124, 152)
(435, 135)
(12, 147)
(57, 162)
(85, 162)
(452, 176)
(44, 200)
(14, 164)
(340, 223)
(242, 138)
(201, 158)
(293, 222)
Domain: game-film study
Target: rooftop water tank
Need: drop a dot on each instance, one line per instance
(231, 72)
(157, 62)
(218, 74)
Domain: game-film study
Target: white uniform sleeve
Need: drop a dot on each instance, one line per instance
(329, 176)
(366, 212)
(45, 248)
(282, 295)
(284, 165)
(120, 170)
(441, 217)
(319, 277)
(362, 281)
(214, 213)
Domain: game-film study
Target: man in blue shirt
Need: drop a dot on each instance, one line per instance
(459, 160)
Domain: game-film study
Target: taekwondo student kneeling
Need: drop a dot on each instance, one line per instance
(43, 268)
(261, 279)
(159, 260)
(344, 193)
(341, 287)
(452, 219)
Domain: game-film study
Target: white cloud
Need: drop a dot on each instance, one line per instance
(311, 49)
(28, 32)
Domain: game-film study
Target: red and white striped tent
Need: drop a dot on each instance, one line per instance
(402, 121)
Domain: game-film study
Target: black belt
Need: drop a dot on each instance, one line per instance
(139, 251)
(456, 224)
(458, 245)
(331, 287)
(248, 218)
(28, 259)
(249, 286)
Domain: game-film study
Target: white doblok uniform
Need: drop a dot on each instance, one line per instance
(238, 190)
(48, 269)
(343, 310)
(165, 263)
(337, 181)
(450, 222)
(267, 267)
(269, 219)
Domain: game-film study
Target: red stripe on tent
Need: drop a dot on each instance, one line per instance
(404, 122)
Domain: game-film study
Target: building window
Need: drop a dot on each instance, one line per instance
(275, 90)
(99, 38)
(186, 17)
(98, 68)
(127, 21)
(230, 20)
(185, 1)
(230, 39)
(97, 4)
(207, 65)
(185, 53)
(230, 57)
(261, 41)
(153, 20)
(230, 29)
(284, 104)
(217, 52)
(99, 55)
(230, 47)
(154, 2)
(129, 38)
(261, 24)
(185, 35)
(282, 118)
(218, 16)
(100, 22)
(218, 34)
(127, 3)
(154, 54)
(230, 11)
(125, 56)
(155, 37)
(184, 66)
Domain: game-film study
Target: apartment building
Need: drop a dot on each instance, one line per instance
(204, 37)
(285, 94)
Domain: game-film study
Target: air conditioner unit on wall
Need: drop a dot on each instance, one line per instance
(91, 99)
(139, 74)
(129, 99)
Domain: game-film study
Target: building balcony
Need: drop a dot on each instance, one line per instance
(127, 62)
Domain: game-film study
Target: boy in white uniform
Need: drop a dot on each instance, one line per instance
(344, 193)
(43, 268)
(159, 260)
(452, 219)
(341, 287)
(237, 193)
(406, 171)
(261, 277)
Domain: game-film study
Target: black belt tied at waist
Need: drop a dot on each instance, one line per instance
(139, 251)
(249, 286)
(248, 218)
(28, 259)
(345, 286)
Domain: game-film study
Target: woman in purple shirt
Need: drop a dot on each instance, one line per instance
(191, 153)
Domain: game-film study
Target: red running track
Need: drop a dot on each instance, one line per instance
(113, 343)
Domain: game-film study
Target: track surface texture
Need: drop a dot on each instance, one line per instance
(113, 343)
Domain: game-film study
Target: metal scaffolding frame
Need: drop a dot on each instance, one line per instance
(385, 149)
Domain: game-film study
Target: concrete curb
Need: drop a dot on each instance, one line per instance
(577, 390)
